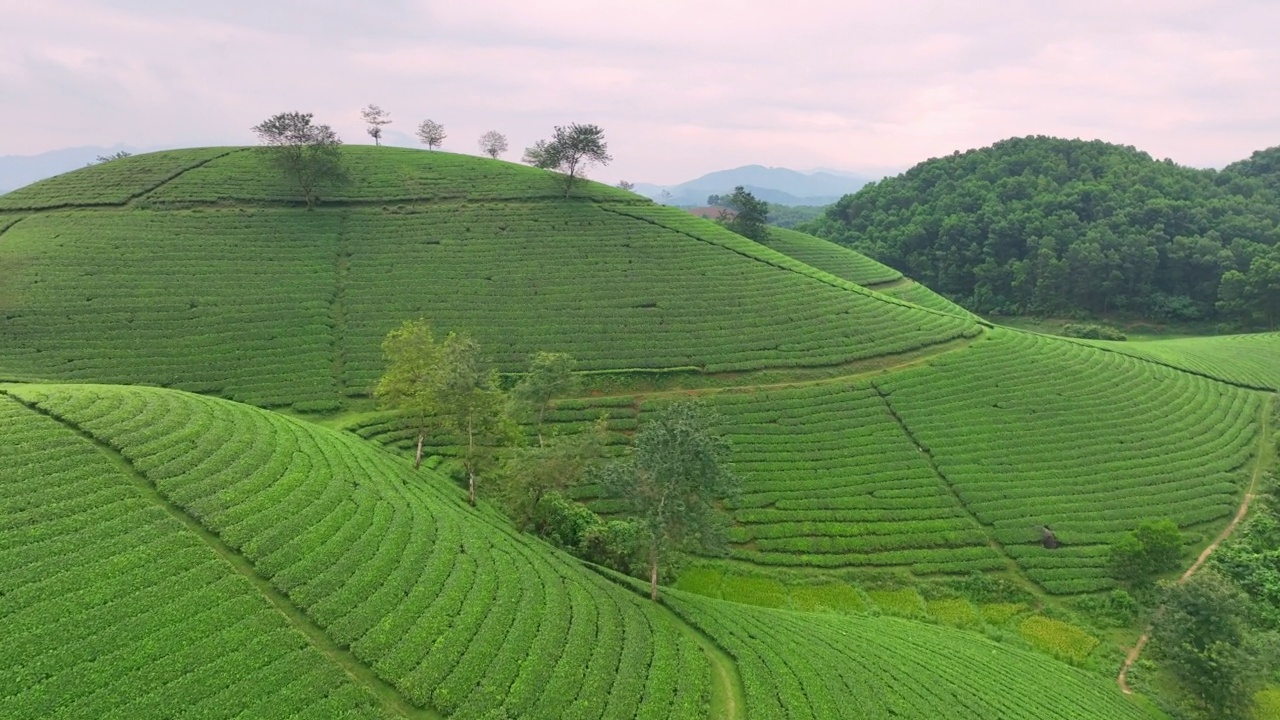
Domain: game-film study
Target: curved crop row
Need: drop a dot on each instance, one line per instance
(797, 666)
(449, 605)
(109, 183)
(1033, 431)
(1250, 360)
(830, 257)
(279, 306)
(112, 609)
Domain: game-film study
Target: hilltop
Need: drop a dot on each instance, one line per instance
(165, 252)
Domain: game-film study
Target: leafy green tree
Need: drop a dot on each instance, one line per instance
(745, 215)
(670, 482)
(1041, 225)
(550, 374)
(571, 151)
(472, 405)
(1203, 635)
(1152, 548)
(307, 153)
(530, 472)
(411, 382)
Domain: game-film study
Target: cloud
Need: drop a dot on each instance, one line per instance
(680, 87)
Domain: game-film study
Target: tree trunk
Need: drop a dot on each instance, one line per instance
(471, 464)
(653, 574)
(417, 457)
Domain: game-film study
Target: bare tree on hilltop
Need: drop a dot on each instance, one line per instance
(376, 117)
(431, 133)
(307, 153)
(493, 144)
(570, 151)
(119, 155)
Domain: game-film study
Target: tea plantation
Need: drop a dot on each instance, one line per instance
(172, 546)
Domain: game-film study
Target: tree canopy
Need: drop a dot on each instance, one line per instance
(308, 153)
(746, 215)
(375, 117)
(1040, 225)
(670, 482)
(572, 150)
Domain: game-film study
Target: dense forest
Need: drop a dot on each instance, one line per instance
(1046, 226)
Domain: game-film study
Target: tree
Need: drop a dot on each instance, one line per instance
(530, 472)
(550, 374)
(309, 154)
(626, 185)
(471, 405)
(536, 154)
(376, 117)
(677, 469)
(493, 144)
(118, 155)
(571, 151)
(1153, 548)
(431, 133)
(749, 217)
(411, 381)
(1203, 635)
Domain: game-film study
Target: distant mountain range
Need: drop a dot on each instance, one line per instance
(20, 170)
(776, 185)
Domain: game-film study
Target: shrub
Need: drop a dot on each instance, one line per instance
(1153, 548)
(1092, 332)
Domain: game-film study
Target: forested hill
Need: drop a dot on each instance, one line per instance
(1049, 226)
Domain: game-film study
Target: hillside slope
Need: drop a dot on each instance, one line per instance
(451, 607)
(213, 282)
(113, 608)
(1249, 360)
(448, 605)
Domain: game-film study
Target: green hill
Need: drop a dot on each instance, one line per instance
(1047, 226)
(415, 600)
(452, 608)
(206, 283)
(884, 435)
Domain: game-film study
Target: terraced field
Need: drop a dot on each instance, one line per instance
(917, 294)
(113, 609)
(181, 299)
(1033, 431)
(830, 257)
(453, 608)
(348, 585)
(1249, 360)
(955, 466)
(245, 302)
(112, 183)
(796, 666)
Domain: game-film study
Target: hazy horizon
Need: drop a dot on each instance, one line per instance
(681, 89)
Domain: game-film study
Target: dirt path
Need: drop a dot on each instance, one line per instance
(1259, 467)
(727, 697)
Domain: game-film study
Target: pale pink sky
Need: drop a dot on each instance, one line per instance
(681, 87)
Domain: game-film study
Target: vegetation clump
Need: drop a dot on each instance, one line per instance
(309, 154)
(1047, 226)
(1092, 331)
(1154, 547)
